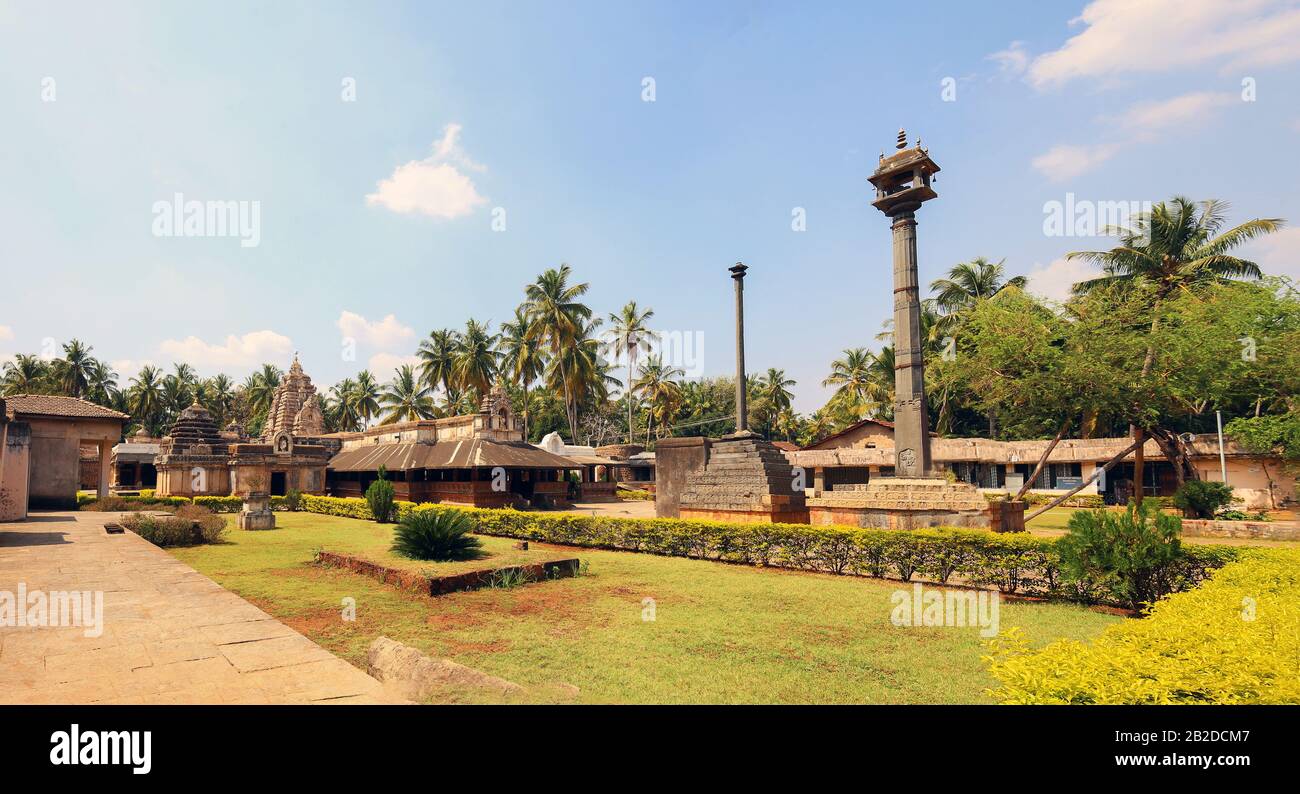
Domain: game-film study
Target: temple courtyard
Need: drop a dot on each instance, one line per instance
(633, 628)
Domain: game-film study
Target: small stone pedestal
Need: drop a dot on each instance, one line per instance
(256, 512)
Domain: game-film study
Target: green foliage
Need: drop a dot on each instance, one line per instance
(293, 500)
(1233, 640)
(119, 504)
(190, 526)
(1269, 435)
(220, 504)
(441, 536)
(1014, 562)
(380, 498)
(1202, 498)
(1132, 555)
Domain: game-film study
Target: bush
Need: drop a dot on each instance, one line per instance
(190, 526)
(122, 504)
(1202, 498)
(293, 500)
(220, 504)
(1233, 640)
(380, 499)
(1015, 562)
(441, 536)
(633, 495)
(1130, 554)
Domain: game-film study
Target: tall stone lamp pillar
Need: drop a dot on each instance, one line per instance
(903, 184)
(742, 398)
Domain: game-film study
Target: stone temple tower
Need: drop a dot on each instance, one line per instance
(903, 183)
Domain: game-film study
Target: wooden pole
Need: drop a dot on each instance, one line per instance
(1095, 474)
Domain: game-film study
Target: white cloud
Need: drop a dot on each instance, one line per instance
(1012, 61)
(383, 364)
(1055, 280)
(1066, 161)
(385, 333)
(1278, 254)
(249, 350)
(435, 186)
(1140, 122)
(1148, 118)
(1123, 36)
(127, 368)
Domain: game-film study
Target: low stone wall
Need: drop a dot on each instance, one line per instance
(414, 582)
(1262, 530)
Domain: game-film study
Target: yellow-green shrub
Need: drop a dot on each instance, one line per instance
(1234, 639)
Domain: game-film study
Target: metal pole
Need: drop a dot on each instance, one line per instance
(1223, 462)
(742, 402)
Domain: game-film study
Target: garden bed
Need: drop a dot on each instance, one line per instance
(430, 584)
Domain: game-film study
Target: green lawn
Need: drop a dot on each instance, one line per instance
(721, 634)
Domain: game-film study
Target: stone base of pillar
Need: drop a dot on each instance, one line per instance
(256, 513)
(913, 503)
(746, 480)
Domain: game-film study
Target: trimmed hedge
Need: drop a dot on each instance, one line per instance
(1014, 563)
(1233, 640)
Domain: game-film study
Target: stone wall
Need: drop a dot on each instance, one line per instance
(14, 449)
(1262, 530)
(675, 458)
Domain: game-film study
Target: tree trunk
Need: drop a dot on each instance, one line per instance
(1139, 441)
(1097, 473)
(629, 397)
(1042, 461)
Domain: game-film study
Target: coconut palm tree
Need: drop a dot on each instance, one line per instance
(861, 389)
(437, 356)
(629, 335)
(72, 373)
(260, 387)
(966, 285)
(553, 303)
(657, 385)
(26, 374)
(102, 386)
(339, 409)
(145, 397)
(407, 398)
(365, 397)
(475, 364)
(219, 396)
(521, 359)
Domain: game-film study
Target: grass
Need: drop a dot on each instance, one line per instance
(721, 633)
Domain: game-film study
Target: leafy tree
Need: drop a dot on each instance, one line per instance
(380, 498)
(657, 385)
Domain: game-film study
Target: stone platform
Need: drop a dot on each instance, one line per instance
(746, 479)
(914, 503)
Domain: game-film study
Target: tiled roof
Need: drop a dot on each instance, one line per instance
(53, 405)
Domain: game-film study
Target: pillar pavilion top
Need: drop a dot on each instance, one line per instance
(902, 180)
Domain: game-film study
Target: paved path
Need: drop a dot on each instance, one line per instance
(170, 634)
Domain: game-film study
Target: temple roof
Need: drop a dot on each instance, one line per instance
(293, 406)
(56, 405)
(468, 454)
(195, 425)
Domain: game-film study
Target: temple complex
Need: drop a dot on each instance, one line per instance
(478, 459)
(196, 459)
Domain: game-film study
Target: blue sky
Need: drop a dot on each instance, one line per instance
(376, 215)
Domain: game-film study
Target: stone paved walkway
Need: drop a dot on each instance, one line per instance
(170, 634)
